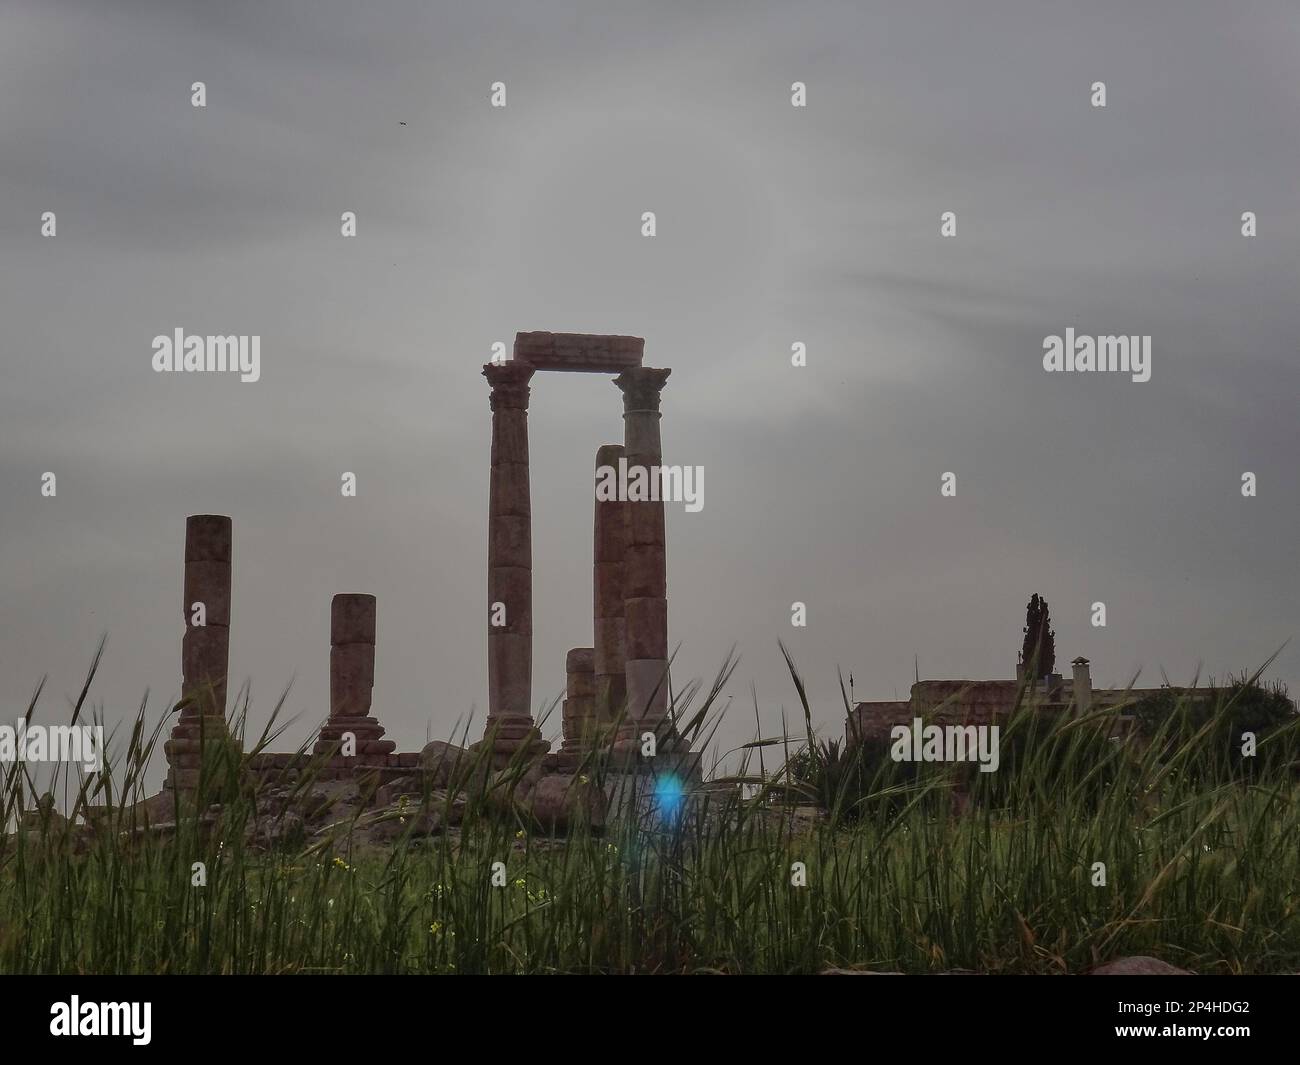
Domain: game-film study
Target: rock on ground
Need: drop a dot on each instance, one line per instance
(1139, 965)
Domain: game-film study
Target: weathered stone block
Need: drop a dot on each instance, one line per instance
(580, 686)
(208, 583)
(352, 676)
(352, 618)
(647, 628)
(560, 802)
(207, 538)
(358, 724)
(195, 726)
(205, 657)
(508, 490)
(579, 719)
(647, 688)
(580, 660)
(609, 454)
(181, 747)
(183, 779)
(510, 671)
(509, 437)
(611, 695)
(579, 352)
(510, 541)
(439, 760)
(642, 439)
(511, 586)
(610, 530)
(608, 589)
(609, 653)
(645, 572)
(580, 677)
(645, 525)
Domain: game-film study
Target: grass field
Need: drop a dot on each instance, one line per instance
(1201, 868)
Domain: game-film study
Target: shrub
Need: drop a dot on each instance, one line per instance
(1200, 732)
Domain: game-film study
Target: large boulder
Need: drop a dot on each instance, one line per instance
(441, 760)
(559, 802)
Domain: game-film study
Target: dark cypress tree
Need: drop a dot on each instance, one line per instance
(1047, 645)
(1039, 648)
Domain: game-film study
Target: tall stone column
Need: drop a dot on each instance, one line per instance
(510, 727)
(645, 586)
(352, 681)
(205, 647)
(610, 546)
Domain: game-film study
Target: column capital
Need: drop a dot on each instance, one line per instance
(640, 386)
(509, 381)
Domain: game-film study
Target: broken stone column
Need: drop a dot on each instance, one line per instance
(352, 680)
(205, 648)
(608, 594)
(645, 588)
(579, 713)
(510, 728)
(1082, 685)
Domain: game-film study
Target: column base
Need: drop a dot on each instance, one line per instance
(628, 740)
(366, 731)
(199, 728)
(511, 739)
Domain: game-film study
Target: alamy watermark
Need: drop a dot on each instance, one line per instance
(210, 354)
(1113, 354)
(23, 742)
(651, 484)
(919, 742)
(132, 1019)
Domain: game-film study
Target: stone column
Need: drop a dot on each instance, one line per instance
(205, 648)
(580, 718)
(1082, 685)
(644, 572)
(352, 681)
(510, 727)
(610, 542)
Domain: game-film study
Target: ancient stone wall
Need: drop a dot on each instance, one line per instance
(872, 721)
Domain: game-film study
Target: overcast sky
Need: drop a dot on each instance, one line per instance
(775, 225)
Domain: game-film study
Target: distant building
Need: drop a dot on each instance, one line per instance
(988, 702)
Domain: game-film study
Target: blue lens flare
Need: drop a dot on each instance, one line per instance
(669, 793)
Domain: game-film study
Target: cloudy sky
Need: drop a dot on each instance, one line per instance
(775, 225)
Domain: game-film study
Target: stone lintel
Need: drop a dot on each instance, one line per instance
(579, 352)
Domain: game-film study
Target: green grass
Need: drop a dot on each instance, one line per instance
(1203, 874)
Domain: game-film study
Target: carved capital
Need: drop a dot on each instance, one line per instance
(640, 386)
(509, 381)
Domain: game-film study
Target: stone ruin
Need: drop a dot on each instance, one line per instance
(616, 689)
(990, 702)
(622, 679)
